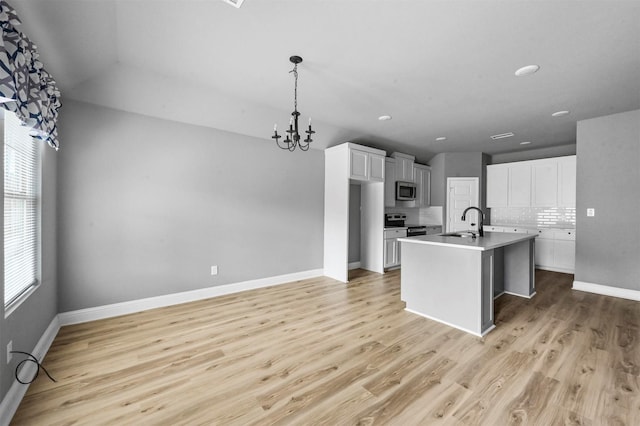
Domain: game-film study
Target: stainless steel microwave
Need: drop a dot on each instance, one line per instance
(405, 191)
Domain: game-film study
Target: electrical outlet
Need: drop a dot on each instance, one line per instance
(9, 349)
(214, 270)
(591, 212)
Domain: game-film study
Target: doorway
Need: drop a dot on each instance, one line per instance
(462, 192)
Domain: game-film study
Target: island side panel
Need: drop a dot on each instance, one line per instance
(443, 283)
(519, 269)
(489, 271)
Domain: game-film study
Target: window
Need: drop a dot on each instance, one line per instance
(21, 209)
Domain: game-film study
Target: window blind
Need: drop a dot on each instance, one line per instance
(21, 208)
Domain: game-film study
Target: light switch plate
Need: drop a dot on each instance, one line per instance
(214, 270)
(591, 212)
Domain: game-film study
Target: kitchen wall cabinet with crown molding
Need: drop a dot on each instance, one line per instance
(366, 165)
(404, 167)
(549, 182)
(422, 175)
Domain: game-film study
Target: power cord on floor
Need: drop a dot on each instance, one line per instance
(35, 361)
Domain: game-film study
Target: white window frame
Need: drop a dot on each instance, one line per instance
(29, 265)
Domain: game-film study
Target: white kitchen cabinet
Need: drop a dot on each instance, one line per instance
(404, 167)
(549, 182)
(555, 250)
(497, 186)
(423, 185)
(544, 181)
(389, 182)
(567, 181)
(392, 256)
(491, 228)
(366, 166)
(519, 185)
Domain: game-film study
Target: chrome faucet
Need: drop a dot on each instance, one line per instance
(464, 217)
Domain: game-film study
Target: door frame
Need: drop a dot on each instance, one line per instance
(448, 203)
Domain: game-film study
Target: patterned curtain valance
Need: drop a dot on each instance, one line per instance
(33, 93)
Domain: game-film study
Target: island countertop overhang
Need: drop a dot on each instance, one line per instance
(490, 241)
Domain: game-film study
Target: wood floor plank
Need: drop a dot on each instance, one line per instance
(321, 352)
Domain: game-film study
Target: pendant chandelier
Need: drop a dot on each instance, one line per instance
(293, 136)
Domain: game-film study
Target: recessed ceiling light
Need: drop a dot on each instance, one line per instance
(384, 117)
(441, 138)
(525, 143)
(528, 70)
(234, 3)
(559, 113)
(502, 136)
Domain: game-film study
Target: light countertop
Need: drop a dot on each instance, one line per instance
(490, 241)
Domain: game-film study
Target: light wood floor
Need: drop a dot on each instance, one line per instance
(321, 352)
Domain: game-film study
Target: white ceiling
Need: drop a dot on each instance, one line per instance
(440, 68)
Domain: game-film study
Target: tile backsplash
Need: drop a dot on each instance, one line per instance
(541, 217)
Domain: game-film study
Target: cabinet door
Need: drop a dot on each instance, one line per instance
(567, 182)
(404, 169)
(544, 252)
(423, 186)
(497, 186)
(359, 165)
(390, 252)
(565, 254)
(520, 185)
(389, 182)
(376, 168)
(545, 184)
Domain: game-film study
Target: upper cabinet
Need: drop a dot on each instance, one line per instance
(497, 186)
(549, 182)
(389, 182)
(404, 167)
(520, 185)
(544, 184)
(423, 185)
(567, 181)
(366, 165)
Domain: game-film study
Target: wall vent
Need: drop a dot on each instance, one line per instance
(234, 3)
(502, 136)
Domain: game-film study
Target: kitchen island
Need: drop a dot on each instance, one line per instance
(454, 280)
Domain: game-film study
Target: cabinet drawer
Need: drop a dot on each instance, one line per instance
(516, 230)
(565, 234)
(494, 228)
(547, 234)
(394, 233)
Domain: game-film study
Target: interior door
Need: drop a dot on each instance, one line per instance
(461, 193)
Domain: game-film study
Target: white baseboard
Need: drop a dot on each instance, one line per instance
(449, 324)
(606, 290)
(354, 265)
(556, 269)
(520, 295)
(12, 399)
(133, 306)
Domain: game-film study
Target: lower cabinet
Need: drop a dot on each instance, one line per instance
(556, 250)
(391, 252)
(392, 247)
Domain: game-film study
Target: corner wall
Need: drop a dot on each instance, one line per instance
(608, 179)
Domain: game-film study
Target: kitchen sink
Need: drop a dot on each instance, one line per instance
(458, 234)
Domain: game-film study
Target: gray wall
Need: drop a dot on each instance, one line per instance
(25, 325)
(438, 181)
(147, 206)
(608, 179)
(354, 222)
(534, 154)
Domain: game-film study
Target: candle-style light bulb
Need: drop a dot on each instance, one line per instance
(309, 121)
(275, 127)
(291, 121)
